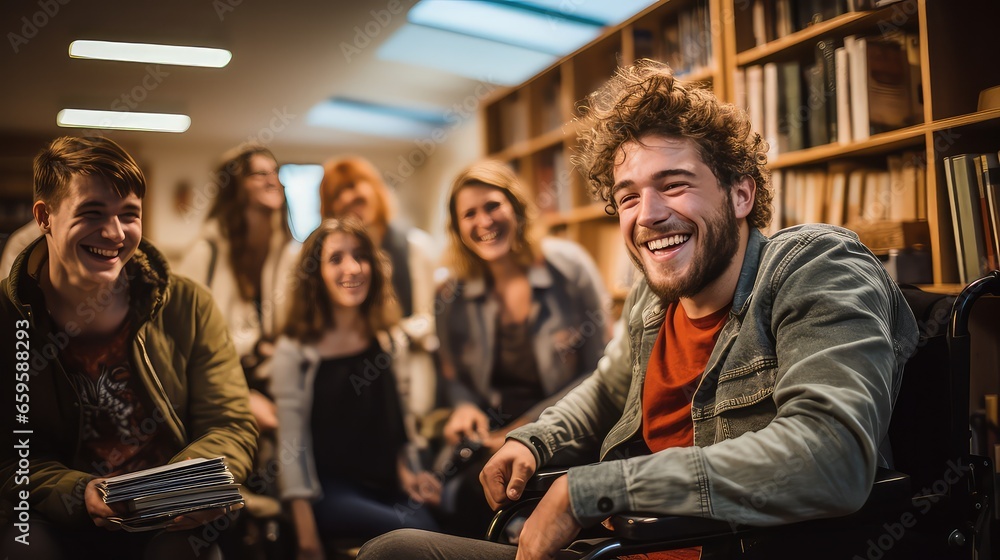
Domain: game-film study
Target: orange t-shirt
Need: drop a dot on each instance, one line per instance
(679, 357)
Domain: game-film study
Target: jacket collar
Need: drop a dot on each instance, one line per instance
(539, 277)
(748, 273)
(148, 272)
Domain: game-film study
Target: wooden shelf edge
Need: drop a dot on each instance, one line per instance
(619, 294)
(534, 144)
(818, 154)
(965, 120)
(901, 137)
(757, 54)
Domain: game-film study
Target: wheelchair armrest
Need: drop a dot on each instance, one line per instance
(542, 480)
(890, 493)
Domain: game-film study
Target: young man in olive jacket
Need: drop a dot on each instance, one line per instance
(112, 365)
(758, 373)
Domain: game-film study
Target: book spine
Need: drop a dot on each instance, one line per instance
(858, 62)
(826, 57)
(843, 90)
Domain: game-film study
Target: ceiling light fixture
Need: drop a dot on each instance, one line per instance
(153, 54)
(375, 119)
(123, 120)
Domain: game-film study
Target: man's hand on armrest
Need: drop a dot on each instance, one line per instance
(551, 526)
(504, 476)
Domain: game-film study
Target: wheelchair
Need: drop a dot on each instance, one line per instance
(939, 503)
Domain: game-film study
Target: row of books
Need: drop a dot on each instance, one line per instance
(686, 39)
(873, 200)
(974, 196)
(855, 87)
(774, 19)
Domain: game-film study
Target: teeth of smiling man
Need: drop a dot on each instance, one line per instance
(667, 242)
(489, 236)
(103, 252)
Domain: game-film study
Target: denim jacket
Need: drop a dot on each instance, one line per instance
(791, 410)
(567, 321)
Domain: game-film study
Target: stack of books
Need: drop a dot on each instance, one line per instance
(154, 497)
(974, 193)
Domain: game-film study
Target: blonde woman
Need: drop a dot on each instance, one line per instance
(521, 321)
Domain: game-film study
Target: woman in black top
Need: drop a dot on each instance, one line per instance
(339, 376)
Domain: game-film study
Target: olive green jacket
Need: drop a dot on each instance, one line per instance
(181, 351)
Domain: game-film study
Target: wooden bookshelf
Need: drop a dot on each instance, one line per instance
(954, 54)
(950, 78)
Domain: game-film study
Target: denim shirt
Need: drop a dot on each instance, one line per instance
(567, 323)
(789, 414)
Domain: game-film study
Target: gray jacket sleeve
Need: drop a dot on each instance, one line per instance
(841, 335)
(297, 475)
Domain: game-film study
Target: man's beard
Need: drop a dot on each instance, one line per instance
(720, 242)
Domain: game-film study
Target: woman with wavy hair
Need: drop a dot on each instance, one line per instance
(244, 254)
(521, 321)
(340, 382)
(352, 186)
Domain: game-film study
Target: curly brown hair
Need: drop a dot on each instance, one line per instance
(646, 99)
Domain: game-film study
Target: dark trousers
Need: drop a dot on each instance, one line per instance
(349, 511)
(422, 545)
(49, 542)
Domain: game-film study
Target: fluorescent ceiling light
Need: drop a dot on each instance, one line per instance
(374, 119)
(607, 13)
(154, 54)
(538, 30)
(472, 57)
(301, 182)
(123, 120)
